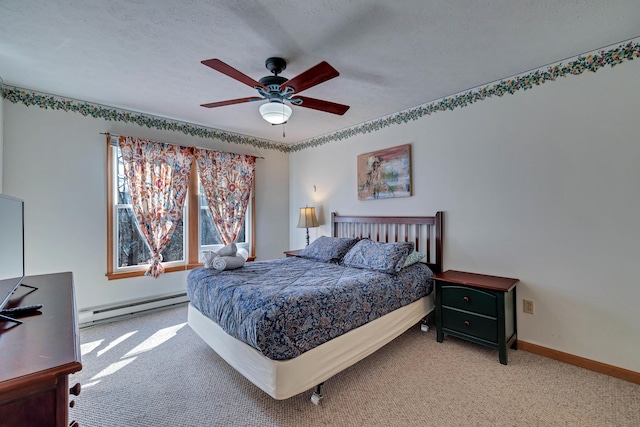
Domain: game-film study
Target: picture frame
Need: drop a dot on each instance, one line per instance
(385, 174)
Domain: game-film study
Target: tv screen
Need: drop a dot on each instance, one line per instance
(11, 246)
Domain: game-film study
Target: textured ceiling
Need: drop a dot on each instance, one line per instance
(144, 55)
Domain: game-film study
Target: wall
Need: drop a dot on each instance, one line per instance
(541, 185)
(56, 162)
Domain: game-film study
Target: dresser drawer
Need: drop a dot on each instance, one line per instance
(469, 299)
(470, 324)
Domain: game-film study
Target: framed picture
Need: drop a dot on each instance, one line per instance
(385, 174)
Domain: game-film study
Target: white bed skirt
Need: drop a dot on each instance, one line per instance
(282, 379)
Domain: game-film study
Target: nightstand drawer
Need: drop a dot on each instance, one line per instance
(469, 299)
(468, 323)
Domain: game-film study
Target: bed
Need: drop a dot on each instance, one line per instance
(289, 324)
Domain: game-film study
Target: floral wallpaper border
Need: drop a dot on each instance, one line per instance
(591, 62)
(43, 100)
(594, 61)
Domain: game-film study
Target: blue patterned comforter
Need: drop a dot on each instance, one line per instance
(287, 306)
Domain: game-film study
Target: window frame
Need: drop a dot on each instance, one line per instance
(191, 221)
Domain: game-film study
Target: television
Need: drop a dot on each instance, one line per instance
(11, 246)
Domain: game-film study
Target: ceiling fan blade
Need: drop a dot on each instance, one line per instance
(313, 76)
(231, 102)
(220, 66)
(319, 104)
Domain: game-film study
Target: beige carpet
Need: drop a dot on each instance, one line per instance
(152, 370)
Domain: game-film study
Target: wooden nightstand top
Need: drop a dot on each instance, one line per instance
(292, 252)
(495, 283)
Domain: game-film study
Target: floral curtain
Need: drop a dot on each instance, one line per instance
(226, 180)
(158, 177)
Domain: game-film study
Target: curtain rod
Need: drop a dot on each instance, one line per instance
(204, 148)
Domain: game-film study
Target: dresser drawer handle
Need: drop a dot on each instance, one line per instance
(466, 323)
(75, 390)
(465, 299)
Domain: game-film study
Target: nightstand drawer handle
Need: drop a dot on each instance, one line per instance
(466, 323)
(465, 299)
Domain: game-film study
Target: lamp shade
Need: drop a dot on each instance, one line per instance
(307, 218)
(275, 112)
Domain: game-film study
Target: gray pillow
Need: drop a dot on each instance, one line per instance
(228, 262)
(328, 249)
(378, 256)
(228, 250)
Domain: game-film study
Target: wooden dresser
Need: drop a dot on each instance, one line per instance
(38, 355)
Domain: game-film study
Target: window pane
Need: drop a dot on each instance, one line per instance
(209, 234)
(174, 250)
(133, 250)
(123, 197)
(241, 237)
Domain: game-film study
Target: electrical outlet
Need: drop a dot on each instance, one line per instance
(527, 306)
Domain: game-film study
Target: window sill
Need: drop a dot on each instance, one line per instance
(140, 273)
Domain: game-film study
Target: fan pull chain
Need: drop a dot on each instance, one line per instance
(285, 122)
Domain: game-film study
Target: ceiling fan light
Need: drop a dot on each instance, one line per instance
(275, 112)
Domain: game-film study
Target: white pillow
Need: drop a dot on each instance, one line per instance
(243, 253)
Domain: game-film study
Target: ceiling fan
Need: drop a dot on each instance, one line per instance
(278, 90)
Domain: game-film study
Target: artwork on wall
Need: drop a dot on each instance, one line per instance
(385, 173)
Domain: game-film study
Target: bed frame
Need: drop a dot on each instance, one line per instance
(282, 379)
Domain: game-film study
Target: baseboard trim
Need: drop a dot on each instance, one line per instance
(592, 365)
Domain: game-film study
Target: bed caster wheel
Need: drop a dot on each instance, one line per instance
(424, 327)
(316, 398)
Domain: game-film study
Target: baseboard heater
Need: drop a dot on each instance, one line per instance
(110, 313)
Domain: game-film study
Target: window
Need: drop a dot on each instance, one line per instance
(131, 249)
(127, 252)
(209, 238)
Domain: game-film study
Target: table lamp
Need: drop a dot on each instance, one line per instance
(307, 219)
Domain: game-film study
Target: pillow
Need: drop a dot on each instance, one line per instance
(413, 258)
(228, 262)
(229, 250)
(378, 256)
(209, 256)
(243, 253)
(327, 249)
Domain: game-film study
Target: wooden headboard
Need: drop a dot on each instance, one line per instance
(424, 231)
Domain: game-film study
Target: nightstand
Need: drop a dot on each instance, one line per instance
(477, 308)
(293, 252)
